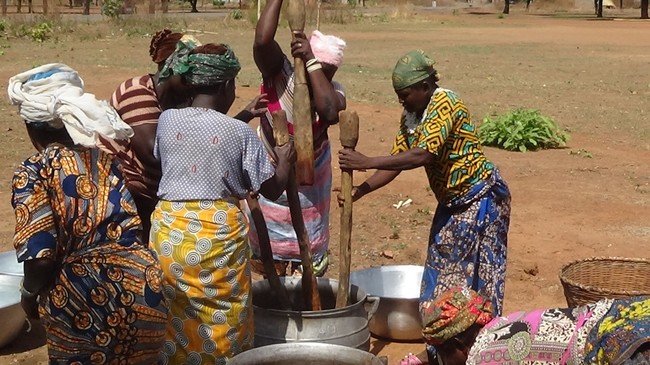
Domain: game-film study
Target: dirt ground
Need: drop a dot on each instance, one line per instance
(589, 199)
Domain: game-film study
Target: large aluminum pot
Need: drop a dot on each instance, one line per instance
(12, 315)
(9, 264)
(398, 289)
(347, 326)
(305, 353)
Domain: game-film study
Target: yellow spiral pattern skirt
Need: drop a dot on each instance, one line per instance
(204, 254)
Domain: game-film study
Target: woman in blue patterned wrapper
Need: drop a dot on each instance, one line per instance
(468, 240)
(77, 230)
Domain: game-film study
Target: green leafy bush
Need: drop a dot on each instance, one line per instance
(112, 8)
(218, 3)
(41, 32)
(522, 130)
(3, 25)
(237, 14)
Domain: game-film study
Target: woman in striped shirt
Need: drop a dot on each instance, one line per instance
(139, 101)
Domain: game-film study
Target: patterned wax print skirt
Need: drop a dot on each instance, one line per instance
(204, 253)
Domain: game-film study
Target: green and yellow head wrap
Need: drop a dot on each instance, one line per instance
(411, 68)
(201, 69)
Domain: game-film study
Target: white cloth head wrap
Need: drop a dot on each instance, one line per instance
(327, 48)
(54, 93)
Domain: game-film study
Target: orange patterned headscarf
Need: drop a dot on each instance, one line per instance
(453, 312)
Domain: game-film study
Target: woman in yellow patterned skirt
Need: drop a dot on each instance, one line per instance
(78, 232)
(209, 162)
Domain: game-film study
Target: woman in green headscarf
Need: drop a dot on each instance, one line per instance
(468, 240)
(209, 162)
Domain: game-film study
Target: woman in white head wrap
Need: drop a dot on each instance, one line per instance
(94, 285)
(323, 55)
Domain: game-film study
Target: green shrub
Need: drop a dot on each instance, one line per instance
(522, 130)
(3, 25)
(112, 8)
(237, 14)
(40, 32)
(218, 3)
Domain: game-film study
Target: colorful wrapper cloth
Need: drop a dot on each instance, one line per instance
(452, 313)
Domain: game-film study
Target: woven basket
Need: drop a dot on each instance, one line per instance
(590, 280)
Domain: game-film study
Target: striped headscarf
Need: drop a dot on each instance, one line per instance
(201, 69)
(54, 94)
(453, 312)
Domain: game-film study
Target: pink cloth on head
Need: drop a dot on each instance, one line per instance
(327, 48)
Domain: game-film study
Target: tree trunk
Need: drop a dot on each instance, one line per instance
(599, 12)
(165, 6)
(529, 1)
(644, 9)
(3, 5)
(45, 6)
(152, 6)
(86, 7)
(194, 9)
(19, 6)
(506, 7)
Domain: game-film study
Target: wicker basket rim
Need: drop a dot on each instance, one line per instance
(565, 281)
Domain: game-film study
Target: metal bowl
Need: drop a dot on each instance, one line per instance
(9, 264)
(305, 353)
(398, 289)
(12, 315)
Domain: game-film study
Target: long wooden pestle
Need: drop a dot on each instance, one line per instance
(302, 121)
(309, 284)
(349, 135)
(266, 253)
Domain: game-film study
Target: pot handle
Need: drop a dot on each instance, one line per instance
(374, 304)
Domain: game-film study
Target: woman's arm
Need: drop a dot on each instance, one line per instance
(406, 160)
(277, 184)
(378, 180)
(256, 108)
(266, 51)
(38, 276)
(327, 101)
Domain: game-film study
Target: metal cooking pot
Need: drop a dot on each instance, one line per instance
(347, 326)
(12, 315)
(398, 289)
(9, 264)
(305, 353)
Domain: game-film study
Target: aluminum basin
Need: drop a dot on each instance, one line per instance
(305, 353)
(12, 315)
(398, 289)
(9, 264)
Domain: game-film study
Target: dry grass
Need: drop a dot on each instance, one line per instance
(495, 64)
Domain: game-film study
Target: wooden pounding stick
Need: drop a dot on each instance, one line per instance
(302, 122)
(349, 135)
(264, 243)
(309, 284)
(266, 253)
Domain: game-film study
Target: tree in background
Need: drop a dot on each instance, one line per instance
(644, 9)
(506, 7)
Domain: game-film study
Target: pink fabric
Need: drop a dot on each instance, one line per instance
(315, 202)
(327, 48)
